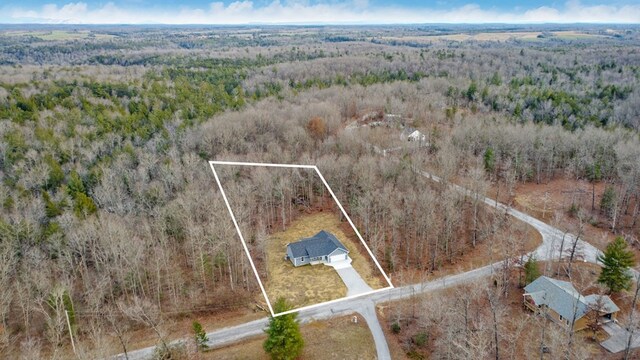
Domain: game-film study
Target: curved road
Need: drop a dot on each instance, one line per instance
(365, 304)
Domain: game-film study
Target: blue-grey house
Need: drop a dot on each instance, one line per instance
(563, 304)
(323, 247)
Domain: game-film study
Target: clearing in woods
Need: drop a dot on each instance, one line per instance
(291, 197)
(310, 284)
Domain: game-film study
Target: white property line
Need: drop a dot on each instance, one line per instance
(244, 244)
(246, 249)
(354, 227)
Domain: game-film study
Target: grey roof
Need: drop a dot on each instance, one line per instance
(408, 131)
(538, 297)
(563, 298)
(322, 243)
(608, 306)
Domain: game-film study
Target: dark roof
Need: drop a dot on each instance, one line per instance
(562, 297)
(322, 243)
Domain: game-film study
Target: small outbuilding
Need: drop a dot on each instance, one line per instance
(411, 134)
(323, 248)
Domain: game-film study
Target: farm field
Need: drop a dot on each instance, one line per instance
(60, 35)
(496, 36)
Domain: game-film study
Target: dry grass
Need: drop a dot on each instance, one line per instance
(486, 36)
(544, 200)
(59, 35)
(338, 338)
(493, 36)
(312, 284)
(575, 35)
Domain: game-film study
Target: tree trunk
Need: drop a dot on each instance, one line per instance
(630, 328)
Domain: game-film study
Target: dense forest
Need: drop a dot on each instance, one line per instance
(109, 210)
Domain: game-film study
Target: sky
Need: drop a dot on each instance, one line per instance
(317, 11)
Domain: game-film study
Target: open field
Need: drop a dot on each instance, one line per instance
(494, 36)
(337, 338)
(60, 35)
(312, 284)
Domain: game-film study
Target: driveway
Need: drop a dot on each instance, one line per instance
(618, 338)
(368, 312)
(350, 277)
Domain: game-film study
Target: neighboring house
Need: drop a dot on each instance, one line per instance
(323, 247)
(411, 134)
(562, 303)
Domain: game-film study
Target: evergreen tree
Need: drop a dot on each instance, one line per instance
(607, 202)
(616, 262)
(531, 270)
(56, 175)
(489, 160)
(284, 341)
(200, 336)
(471, 91)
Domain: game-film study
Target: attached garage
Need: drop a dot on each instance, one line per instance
(337, 255)
(323, 247)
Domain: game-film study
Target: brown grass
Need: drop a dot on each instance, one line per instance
(544, 200)
(311, 284)
(337, 338)
(59, 35)
(492, 36)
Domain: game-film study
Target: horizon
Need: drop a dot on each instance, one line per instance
(483, 26)
(318, 12)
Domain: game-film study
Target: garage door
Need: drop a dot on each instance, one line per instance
(334, 258)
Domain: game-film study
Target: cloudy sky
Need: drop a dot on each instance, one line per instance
(317, 11)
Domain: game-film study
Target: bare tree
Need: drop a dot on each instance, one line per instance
(576, 240)
(147, 314)
(632, 322)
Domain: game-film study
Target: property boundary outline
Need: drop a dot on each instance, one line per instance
(246, 249)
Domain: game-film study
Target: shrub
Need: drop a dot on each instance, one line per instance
(420, 339)
(395, 327)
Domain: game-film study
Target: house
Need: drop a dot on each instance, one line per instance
(411, 134)
(323, 247)
(562, 302)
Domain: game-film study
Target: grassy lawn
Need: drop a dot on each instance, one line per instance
(307, 285)
(337, 338)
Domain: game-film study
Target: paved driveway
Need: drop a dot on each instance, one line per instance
(350, 277)
(618, 338)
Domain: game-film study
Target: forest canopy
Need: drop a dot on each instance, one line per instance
(107, 201)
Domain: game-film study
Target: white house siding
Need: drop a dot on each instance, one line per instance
(337, 255)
